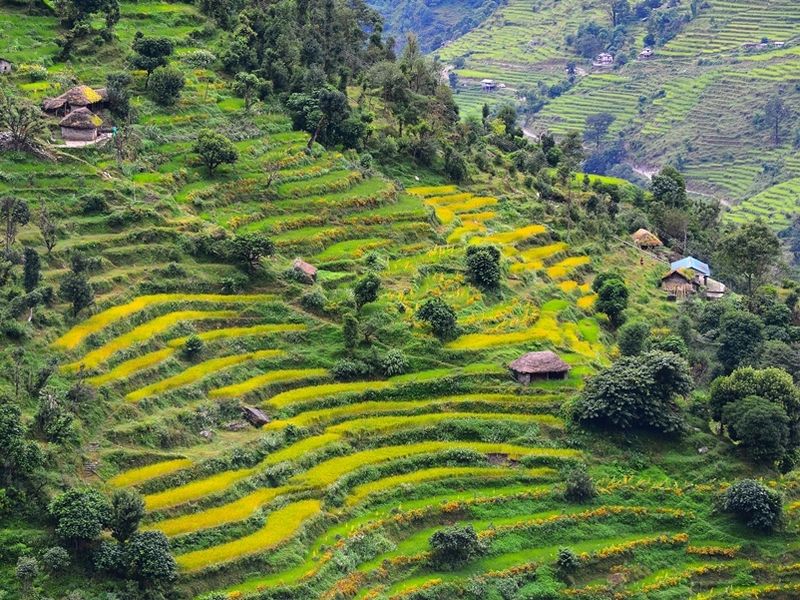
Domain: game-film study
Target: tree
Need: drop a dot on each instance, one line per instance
(24, 121)
(578, 485)
(73, 12)
(741, 335)
(127, 511)
(455, 166)
(248, 250)
(366, 290)
(483, 266)
(76, 289)
(453, 546)
(214, 150)
(321, 113)
(440, 316)
(165, 85)
(350, 331)
(80, 514)
(119, 101)
(754, 504)
(19, 456)
(597, 127)
(27, 570)
(669, 188)
(750, 251)
(247, 86)
(55, 560)
(612, 299)
(15, 213)
(53, 421)
(150, 52)
(32, 270)
(637, 391)
(632, 337)
(775, 114)
(48, 227)
(148, 559)
(761, 426)
(193, 347)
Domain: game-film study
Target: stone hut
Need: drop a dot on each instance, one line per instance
(646, 239)
(81, 125)
(538, 365)
(5, 66)
(305, 271)
(488, 85)
(604, 60)
(679, 284)
(646, 54)
(81, 96)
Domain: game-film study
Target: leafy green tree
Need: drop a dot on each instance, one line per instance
(53, 420)
(454, 546)
(455, 166)
(127, 511)
(567, 562)
(27, 570)
(350, 331)
(483, 266)
(55, 560)
(750, 252)
(597, 127)
(366, 290)
(761, 426)
(325, 113)
(754, 504)
(440, 316)
(48, 227)
(76, 289)
(25, 123)
(394, 363)
(20, 457)
(15, 213)
(248, 249)
(578, 485)
(32, 271)
(612, 299)
(214, 150)
(740, 338)
(249, 87)
(119, 97)
(80, 514)
(148, 559)
(151, 53)
(776, 113)
(637, 391)
(72, 12)
(165, 85)
(193, 347)
(669, 188)
(632, 337)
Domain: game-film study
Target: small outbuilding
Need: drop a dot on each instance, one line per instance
(715, 290)
(305, 271)
(255, 416)
(538, 365)
(81, 96)
(679, 284)
(5, 66)
(646, 239)
(81, 125)
(488, 85)
(604, 60)
(647, 53)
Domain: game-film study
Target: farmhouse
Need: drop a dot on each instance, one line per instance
(700, 269)
(5, 66)
(81, 96)
(646, 240)
(604, 60)
(81, 125)
(647, 53)
(679, 284)
(538, 365)
(488, 85)
(305, 271)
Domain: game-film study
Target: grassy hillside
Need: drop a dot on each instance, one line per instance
(692, 104)
(338, 495)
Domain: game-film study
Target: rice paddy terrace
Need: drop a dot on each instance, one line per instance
(692, 104)
(337, 496)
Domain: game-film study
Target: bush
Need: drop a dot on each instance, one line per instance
(394, 363)
(165, 85)
(440, 316)
(761, 426)
(632, 337)
(315, 300)
(55, 559)
(350, 370)
(567, 561)
(80, 514)
(193, 347)
(483, 266)
(366, 290)
(754, 504)
(453, 546)
(579, 486)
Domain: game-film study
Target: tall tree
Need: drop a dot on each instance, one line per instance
(14, 212)
(32, 271)
(48, 228)
(775, 114)
(150, 52)
(597, 127)
(25, 123)
(749, 252)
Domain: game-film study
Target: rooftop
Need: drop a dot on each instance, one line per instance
(539, 362)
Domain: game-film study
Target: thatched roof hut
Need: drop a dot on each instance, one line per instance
(81, 96)
(538, 365)
(646, 239)
(80, 125)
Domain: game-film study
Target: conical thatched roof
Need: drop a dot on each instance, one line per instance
(646, 238)
(539, 362)
(81, 118)
(81, 95)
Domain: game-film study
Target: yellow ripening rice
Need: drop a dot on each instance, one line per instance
(543, 252)
(566, 266)
(469, 227)
(380, 425)
(586, 302)
(142, 474)
(545, 329)
(142, 333)
(533, 265)
(198, 372)
(568, 286)
(511, 237)
(328, 472)
(438, 190)
(361, 492)
(195, 489)
(249, 385)
(470, 204)
(80, 332)
(279, 527)
(306, 394)
(237, 332)
(134, 365)
(448, 199)
(221, 515)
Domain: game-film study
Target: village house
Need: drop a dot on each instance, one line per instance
(604, 60)
(698, 268)
(689, 276)
(679, 284)
(538, 365)
(488, 85)
(305, 271)
(81, 125)
(647, 53)
(5, 66)
(646, 240)
(81, 96)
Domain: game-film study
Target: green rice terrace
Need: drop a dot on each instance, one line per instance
(253, 379)
(692, 103)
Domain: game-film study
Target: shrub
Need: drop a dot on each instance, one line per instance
(366, 290)
(214, 149)
(148, 558)
(632, 336)
(440, 316)
(314, 300)
(350, 370)
(754, 504)
(350, 331)
(612, 299)
(80, 514)
(579, 486)
(193, 347)
(27, 570)
(165, 85)
(55, 559)
(127, 511)
(454, 546)
(761, 426)
(483, 266)
(394, 363)
(567, 561)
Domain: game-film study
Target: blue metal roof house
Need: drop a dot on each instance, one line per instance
(691, 262)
